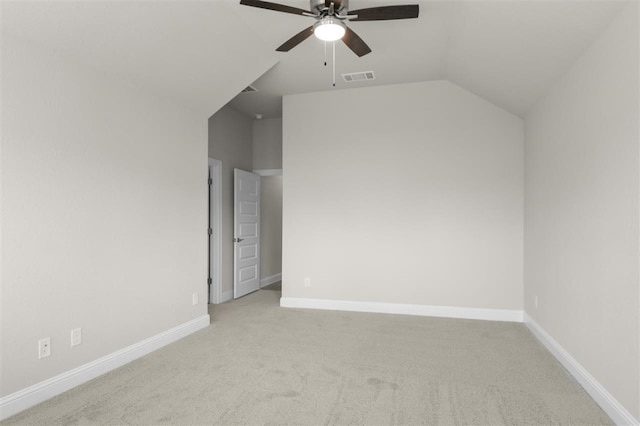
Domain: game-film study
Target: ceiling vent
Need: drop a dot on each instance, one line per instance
(249, 89)
(358, 76)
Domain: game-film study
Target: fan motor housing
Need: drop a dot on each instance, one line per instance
(317, 6)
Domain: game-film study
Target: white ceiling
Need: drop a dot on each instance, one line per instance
(508, 52)
(202, 53)
(178, 50)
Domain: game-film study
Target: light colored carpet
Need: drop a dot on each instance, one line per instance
(260, 364)
(275, 286)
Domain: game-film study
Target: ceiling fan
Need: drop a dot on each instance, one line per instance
(330, 16)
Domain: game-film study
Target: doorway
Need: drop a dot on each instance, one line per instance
(271, 228)
(220, 284)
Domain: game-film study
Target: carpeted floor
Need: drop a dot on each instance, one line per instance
(260, 364)
(275, 286)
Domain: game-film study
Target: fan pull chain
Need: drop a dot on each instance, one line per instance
(325, 53)
(334, 64)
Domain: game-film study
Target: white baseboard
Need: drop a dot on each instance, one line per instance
(607, 402)
(40, 392)
(404, 309)
(270, 280)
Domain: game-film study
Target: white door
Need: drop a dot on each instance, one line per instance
(246, 225)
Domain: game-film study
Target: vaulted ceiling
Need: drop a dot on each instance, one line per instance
(203, 53)
(506, 51)
(181, 50)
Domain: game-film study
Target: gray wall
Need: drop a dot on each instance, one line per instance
(267, 144)
(582, 211)
(103, 211)
(420, 206)
(230, 141)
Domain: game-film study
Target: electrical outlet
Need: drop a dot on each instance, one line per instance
(194, 299)
(44, 347)
(307, 282)
(76, 337)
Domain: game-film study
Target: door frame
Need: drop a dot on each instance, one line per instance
(215, 224)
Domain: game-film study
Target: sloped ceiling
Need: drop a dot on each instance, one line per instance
(177, 50)
(203, 53)
(508, 51)
(511, 52)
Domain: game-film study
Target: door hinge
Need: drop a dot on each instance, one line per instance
(210, 181)
(209, 281)
(210, 231)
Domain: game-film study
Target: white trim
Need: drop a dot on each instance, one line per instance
(226, 296)
(28, 397)
(215, 219)
(268, 172)
(404, 309)
(270, 280)
(599, 393)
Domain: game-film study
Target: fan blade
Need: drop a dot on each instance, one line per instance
(355, 43)
(384, 13)
(274, 6)
(296, 40)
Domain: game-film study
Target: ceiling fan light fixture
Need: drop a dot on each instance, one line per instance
(329, 29)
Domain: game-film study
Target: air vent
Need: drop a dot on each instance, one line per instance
(249, 89)
(358, 76)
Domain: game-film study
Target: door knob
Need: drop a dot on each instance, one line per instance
(237, 240)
